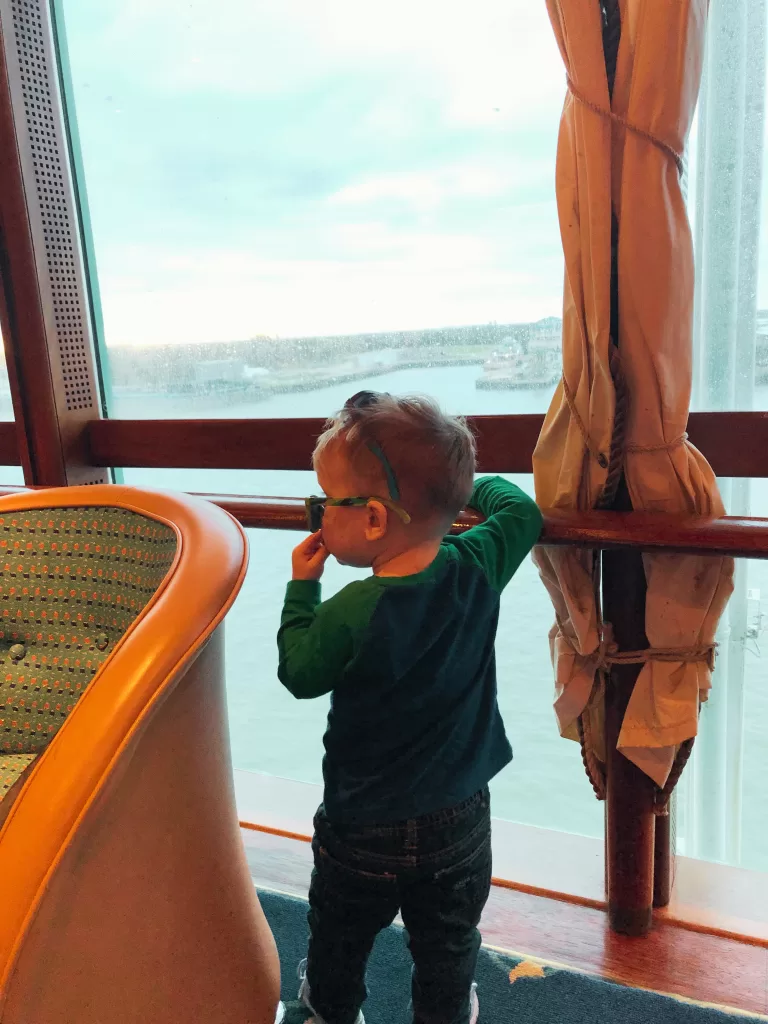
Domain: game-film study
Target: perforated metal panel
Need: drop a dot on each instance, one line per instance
(42, 139)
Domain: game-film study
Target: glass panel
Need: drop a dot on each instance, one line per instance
(303, 207)
(725, 182)
(8, 474)
(274, 733)
(11, 475)
(722, 798)
(294, 200)
(6, 405)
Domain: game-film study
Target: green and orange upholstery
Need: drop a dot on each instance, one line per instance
(125, 891)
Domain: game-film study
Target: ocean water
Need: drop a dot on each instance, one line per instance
(545, 785)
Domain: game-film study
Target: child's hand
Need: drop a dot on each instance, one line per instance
(309, 557)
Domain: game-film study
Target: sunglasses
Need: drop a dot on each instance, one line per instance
(316, 506)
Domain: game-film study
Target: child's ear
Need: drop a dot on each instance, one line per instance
(376, 523)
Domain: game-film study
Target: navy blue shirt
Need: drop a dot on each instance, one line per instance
(414, 724)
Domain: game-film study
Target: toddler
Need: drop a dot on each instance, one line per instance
(414, 731)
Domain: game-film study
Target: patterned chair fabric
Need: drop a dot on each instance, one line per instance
(72, 580)
(12, 767)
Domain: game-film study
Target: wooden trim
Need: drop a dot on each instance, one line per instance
(9, 444)
(204, 444)
(736, 443)
(500, 883)
(708, 898)
(38, 445)
(282, 833)
(695, 964)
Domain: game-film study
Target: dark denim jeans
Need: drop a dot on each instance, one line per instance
(435, 870)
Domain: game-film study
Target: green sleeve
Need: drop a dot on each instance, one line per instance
(316, 641)
(511, 528)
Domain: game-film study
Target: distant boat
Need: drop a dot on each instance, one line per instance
(538, 369)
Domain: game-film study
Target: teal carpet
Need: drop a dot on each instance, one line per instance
(510, 990)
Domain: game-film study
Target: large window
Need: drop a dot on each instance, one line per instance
(298, 200)
(721, 801)
(301, 196)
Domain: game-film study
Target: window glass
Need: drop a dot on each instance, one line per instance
(725, 185)
(6, 406)
(273, 732)
(300, 197)
(722, 797)
(8, 474)
(545, 785)
(301, 200)
(721, 800)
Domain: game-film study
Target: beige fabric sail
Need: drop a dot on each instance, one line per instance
(632, 161)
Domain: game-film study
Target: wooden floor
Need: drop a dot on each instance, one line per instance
(671, 959)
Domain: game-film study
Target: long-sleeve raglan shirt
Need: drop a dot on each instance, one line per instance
(414, 724)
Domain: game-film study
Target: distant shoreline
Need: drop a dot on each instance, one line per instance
(300, 384)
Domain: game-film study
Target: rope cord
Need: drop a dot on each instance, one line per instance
(608, 654)
(664, 446)
(615, 463)
(592, 765)
(594, 452)
(609, 115)
(664, 795)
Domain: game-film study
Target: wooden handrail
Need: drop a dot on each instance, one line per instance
(735, 443)
(731, 535)
(739, 537)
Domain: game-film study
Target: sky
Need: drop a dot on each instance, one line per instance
(316, 167)
(305, 167)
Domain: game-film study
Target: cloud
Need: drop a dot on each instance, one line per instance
(430, 189)
(294, 167)
(405, 281)
(495, 54)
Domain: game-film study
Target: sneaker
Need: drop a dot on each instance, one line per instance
(304, 997)
(474, 1004)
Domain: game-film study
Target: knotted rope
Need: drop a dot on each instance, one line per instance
(608, 654)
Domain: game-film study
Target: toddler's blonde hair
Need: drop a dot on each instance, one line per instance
(432, 455)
